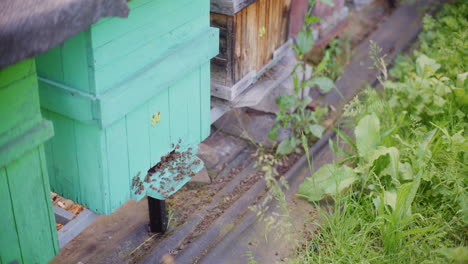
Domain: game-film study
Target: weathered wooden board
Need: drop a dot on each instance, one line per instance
(248, 40)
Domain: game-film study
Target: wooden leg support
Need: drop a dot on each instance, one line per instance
(157, 215)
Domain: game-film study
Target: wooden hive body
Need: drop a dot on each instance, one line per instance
(122, 95)
(252, 37)
(27, 224)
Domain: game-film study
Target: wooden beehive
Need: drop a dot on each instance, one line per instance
(27, 224)
(122, 95)
(252, 37)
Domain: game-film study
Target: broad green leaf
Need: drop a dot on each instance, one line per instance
(426, 66)
(305, 40)
(316, 130)
(394, 155)
(323, 63)
(390, 198)
(329, 180)
(311, 19)
(406, 171)
(325, 84)
(367, 136)
(287, 146)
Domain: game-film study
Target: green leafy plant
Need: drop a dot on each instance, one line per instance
(294, 111)
(400, 186)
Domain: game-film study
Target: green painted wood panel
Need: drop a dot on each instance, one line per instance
(95, 166)
(118, 179)
(66, 157)
(16, 72)
(149, 14)
(49, 64)
(93, 187)
(10, 249)
(205, 99)
(114, 78)
(19, 100)
(114, 104)
(110, 72)
(27, 222)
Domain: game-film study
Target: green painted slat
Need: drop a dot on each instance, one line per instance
(24, 142)
(75, 57)
(144, 15)
(114, 104)
(47, 197)
(159, 134)
(193, 106)
(170, 28)
(138, 141)
(118, 62)
(146, 84)
(16, 72)
(62, 99)
(205, 101)
(19, 108)
(31, 208)
(64, 154)
(9, 242)
(179, 117)
(91, 156)
(48, 149)
(117, 163)
(49, 64)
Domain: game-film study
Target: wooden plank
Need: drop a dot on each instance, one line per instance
(16, 72)
(23, 143)
(9, 242)
(25, 177)
(116, 103)
(194, 108)
(62, 216)
(116, 67)
(49, 153)
(179, 115)
(160, 133)
(63, 163)
(19, 108)
(140, 16)
(75, 57)
(93, 189)
(49, 64)
(229, 7)
(171, 23)
(138, 123)
(75, 227)
(119, 179)
(47, 198)
(205, 122)
(257, 32)
(157, 76)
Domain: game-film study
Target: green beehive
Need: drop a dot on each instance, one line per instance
(27, 223)
(124, 95)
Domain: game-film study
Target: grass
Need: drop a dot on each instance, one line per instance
(400, 187)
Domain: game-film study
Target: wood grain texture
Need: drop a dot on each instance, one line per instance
(24, 191)
(248, 40)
